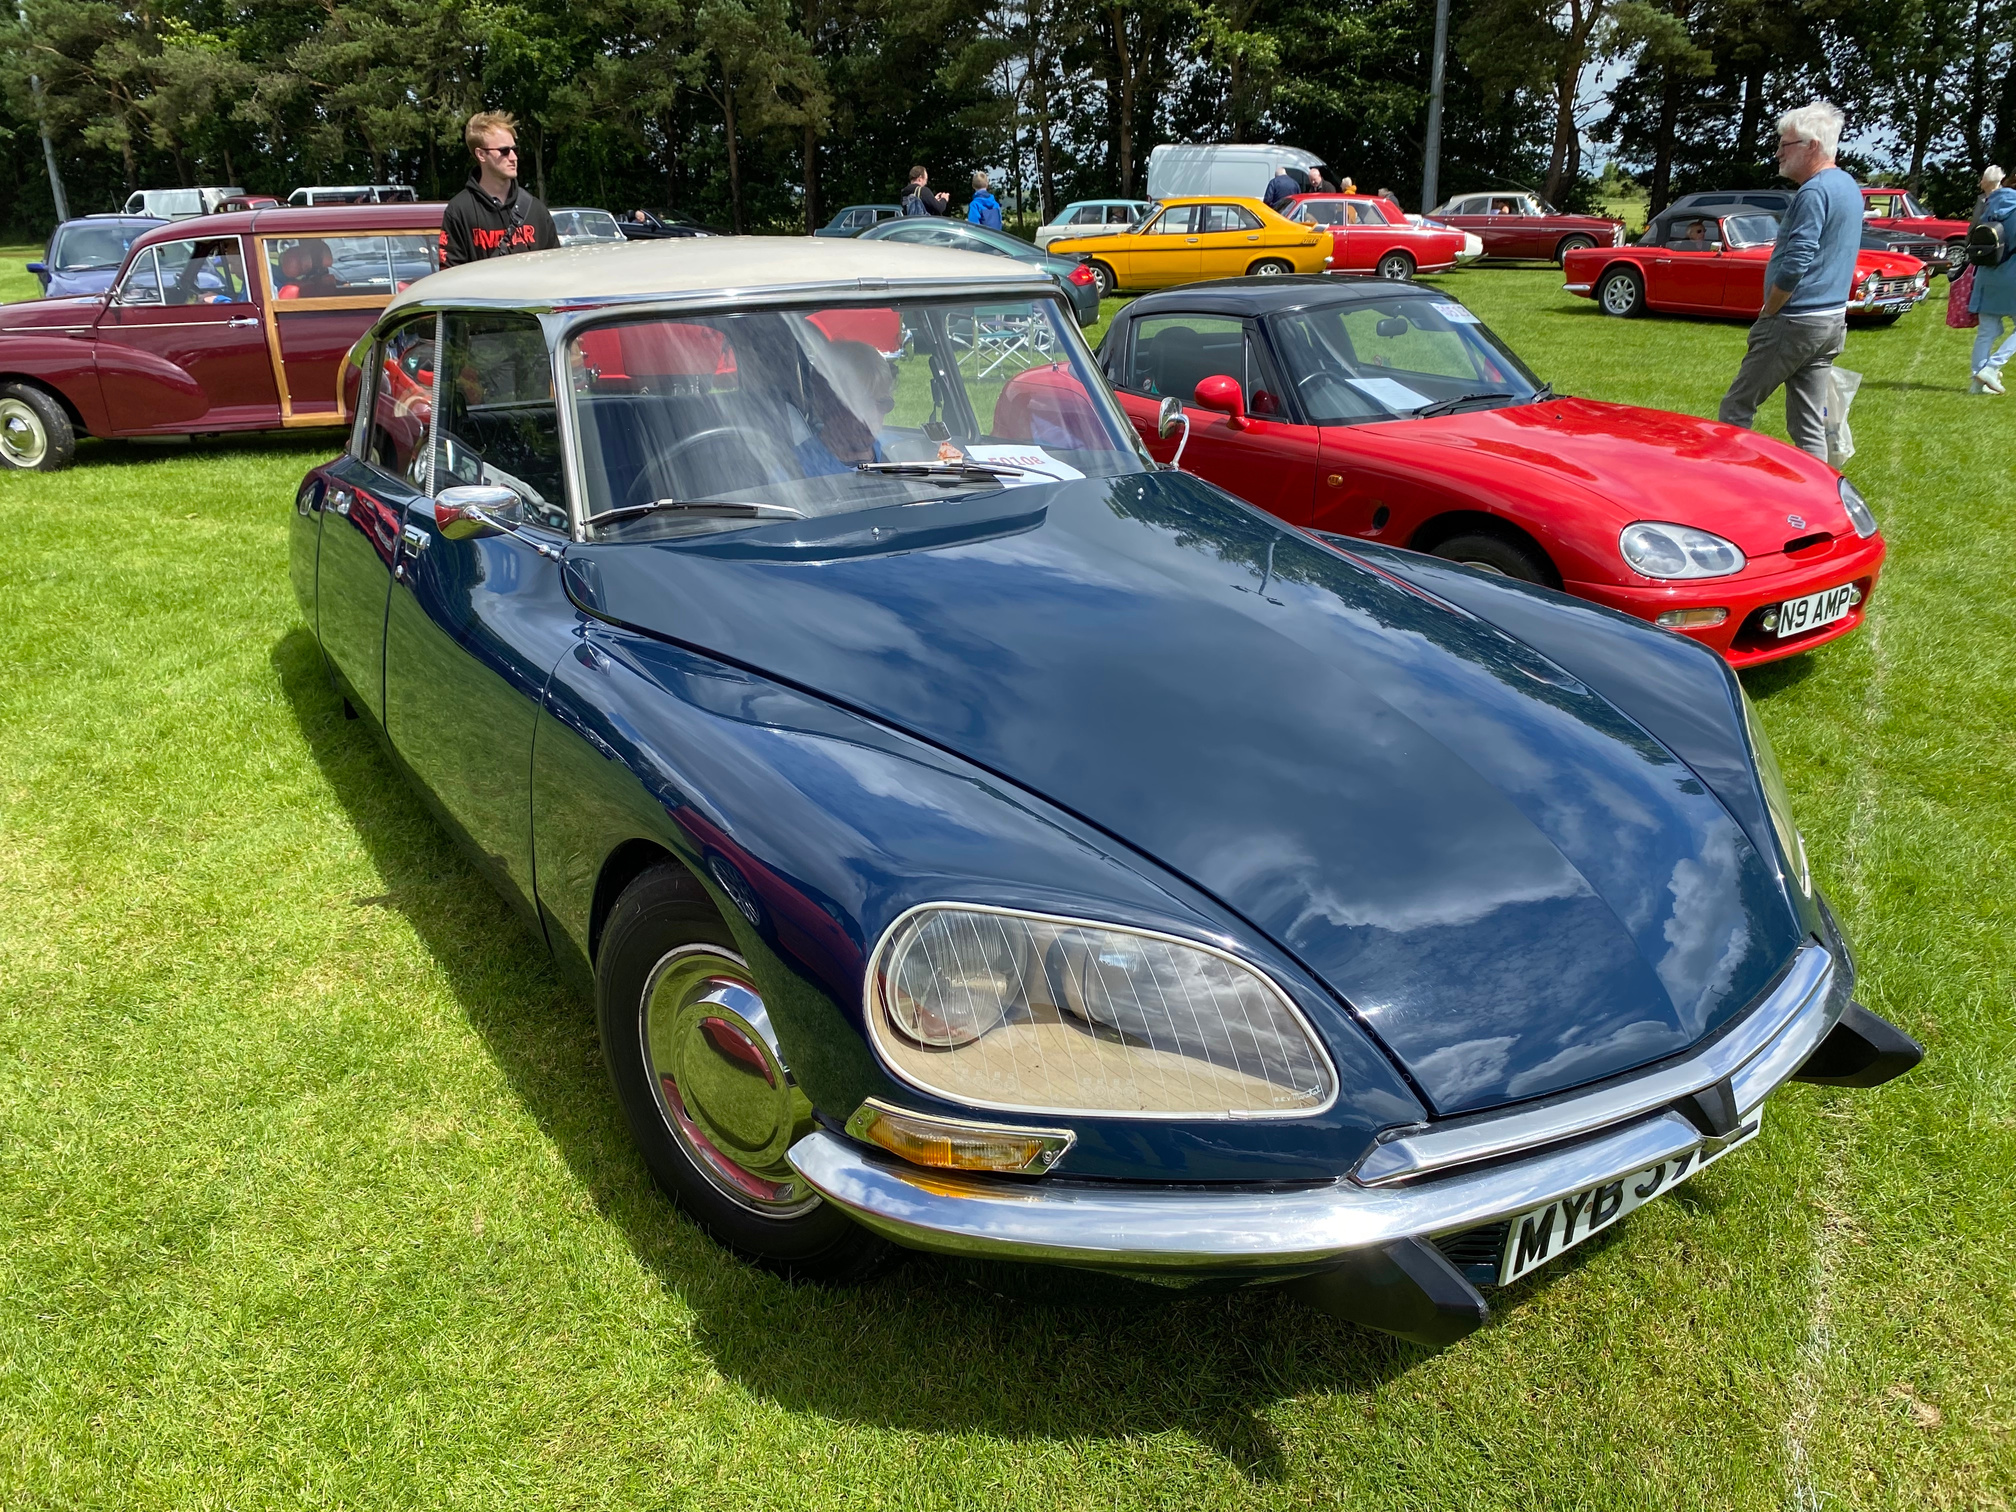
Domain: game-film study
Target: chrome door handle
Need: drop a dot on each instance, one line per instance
(243, 320)
(416, 539)
(340, 502)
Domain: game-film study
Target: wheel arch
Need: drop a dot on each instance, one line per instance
(622, 866)
(30, 380)
(1449, 524)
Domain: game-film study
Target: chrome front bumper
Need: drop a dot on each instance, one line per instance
(1416, 1184)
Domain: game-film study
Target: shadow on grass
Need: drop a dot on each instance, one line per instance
(1773, 678)
(934, 1346)
(93, 452)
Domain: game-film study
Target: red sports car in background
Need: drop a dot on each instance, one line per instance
(1524, 225)
(1373, 236)
(1899, 210)
(1721, 272)
(1389, 412)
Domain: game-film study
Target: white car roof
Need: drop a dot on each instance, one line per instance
(719, 265)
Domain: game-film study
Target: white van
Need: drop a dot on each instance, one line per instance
(353, 194)
(177, 204)
(1236, 168)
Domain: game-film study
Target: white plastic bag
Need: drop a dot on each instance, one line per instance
(1841, 389)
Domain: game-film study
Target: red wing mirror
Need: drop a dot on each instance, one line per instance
(1223, 394)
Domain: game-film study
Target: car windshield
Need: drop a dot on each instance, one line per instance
(82, 248)
(1750, 230)
(831, 409)
(1384, 359)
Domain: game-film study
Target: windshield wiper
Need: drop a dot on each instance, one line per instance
(944, 472)
(1444, 406)
(1543, 393)
(727, 508)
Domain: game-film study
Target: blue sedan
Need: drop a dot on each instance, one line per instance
(84, 255)
(981, 839)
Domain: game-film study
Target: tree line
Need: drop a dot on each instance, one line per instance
(770, 114)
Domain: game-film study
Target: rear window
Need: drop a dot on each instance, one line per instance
(346, 267)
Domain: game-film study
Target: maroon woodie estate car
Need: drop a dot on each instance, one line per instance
(231, 322)
(1515, 225)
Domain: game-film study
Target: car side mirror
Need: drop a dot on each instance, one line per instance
(39, 269)
(1169, 417)
(1223, 394)
(471, 509)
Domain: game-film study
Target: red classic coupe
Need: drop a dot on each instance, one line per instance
(1716, 267)
(1899, 210)
(1389, 412)
(1524, 225)
(1373, 236)
(233, 322)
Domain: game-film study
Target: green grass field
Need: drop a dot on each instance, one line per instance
(313, 1194)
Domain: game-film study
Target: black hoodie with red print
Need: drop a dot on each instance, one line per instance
(475, 226)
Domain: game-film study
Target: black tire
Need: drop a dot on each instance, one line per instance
(1499, 554)
(1572, 244)
(35, 431)
(1108, 284)
(1621, 292)
(1269, 267)
(1396, 265)
(664, 930)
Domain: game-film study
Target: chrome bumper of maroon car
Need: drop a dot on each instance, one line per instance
(1442, 1178)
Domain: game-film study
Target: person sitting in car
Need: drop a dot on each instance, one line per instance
(1696, 238)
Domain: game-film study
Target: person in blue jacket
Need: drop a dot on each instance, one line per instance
(1994, 296)
(1804, 323)
(985, 209)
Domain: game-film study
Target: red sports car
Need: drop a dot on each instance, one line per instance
(1389, 412)
(1899, 210)
(1372, 235)
(1716, 267)
(1524, 225)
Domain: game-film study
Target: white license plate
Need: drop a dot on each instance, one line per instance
(1795, 616)
(1537, 1237)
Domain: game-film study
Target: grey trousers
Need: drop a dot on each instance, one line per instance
(1797, 352)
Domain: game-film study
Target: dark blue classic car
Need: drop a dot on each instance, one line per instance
(982, 839)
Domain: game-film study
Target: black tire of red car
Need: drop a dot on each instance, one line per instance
(1572, 244)
(1621, 292)
(1499, 554)
(1398, 266)
(35, 430)
(666, 917)
(1269, 267)
(1108, 284)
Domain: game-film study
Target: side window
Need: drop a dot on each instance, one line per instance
(1174, 353)
(499, 422)
(401, 399)
(1089, 215)
(142, 283)
(1261, 386)
(210, 271)
(1175, 221)
(1226, 218)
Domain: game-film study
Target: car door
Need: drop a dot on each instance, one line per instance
(1684, 275)
(473, 625)
(1270, 460)
(1166, 251)
(321, 294)
(1882, 210)
(379, 478)
(1229, 239)
(181, 345)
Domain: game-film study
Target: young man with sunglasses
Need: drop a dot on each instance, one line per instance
(493, 216)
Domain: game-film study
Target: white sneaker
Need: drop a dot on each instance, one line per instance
(1977, 387)
(1990, 381)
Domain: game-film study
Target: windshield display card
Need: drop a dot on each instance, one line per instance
(1390, 392)
(1036, 464)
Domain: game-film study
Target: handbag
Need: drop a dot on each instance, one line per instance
(1959, 289)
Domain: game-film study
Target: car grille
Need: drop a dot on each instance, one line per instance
(1892, 288)
(1475, 1252)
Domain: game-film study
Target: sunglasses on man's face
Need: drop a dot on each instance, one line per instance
(507, 151)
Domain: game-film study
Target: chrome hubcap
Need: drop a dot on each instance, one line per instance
(721, 1085)
(1393, 268)
(1618, 295)
(22, 439)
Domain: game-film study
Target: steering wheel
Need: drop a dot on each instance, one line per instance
(649, 484)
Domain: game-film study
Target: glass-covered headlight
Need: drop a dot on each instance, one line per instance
(1031, 1013)
(1777, 799)
(1677, 551)
(1859, 513)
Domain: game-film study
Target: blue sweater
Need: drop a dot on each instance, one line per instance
(1995, 288)
(1817, 243)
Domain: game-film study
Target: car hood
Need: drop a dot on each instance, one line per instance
(1514, 887)
(1886, 264)
(58, 313)
(1639, 464)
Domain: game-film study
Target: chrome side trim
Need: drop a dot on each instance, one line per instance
(1802, 999)
(1148, 1228)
